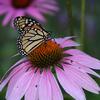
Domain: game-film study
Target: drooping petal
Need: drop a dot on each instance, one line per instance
(56, 92)
(14, 79)
(45, 92)
(32, 93)
(82, 58)
(69, 86)
(86, 60)
(82, 79)
(84, 69)
(8, 75)
(21, 86)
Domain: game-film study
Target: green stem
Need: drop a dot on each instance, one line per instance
(70, 18)
(82, 28)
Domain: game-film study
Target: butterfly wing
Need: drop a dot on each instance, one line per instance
(32, 34)
(22, 23)
(28, 42)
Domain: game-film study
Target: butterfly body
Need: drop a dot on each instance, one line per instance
(31, 35)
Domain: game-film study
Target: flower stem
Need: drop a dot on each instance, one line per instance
(70, 17)
(82, 27)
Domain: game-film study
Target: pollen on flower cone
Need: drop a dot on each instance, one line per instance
(47, 54)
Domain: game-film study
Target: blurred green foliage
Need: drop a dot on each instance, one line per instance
(58, 26)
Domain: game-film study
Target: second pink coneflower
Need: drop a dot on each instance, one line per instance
(34, 8)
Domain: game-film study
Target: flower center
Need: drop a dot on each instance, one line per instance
(21, 3)
(47, 54)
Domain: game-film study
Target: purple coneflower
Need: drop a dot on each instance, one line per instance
(35, 8)
(32, 77)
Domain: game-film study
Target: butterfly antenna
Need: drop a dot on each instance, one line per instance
(17, 54)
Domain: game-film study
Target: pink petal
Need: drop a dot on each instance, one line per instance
(19, 13)
(8, 17)
(56, 92)
(35, 13)
(14, 71)
(69, 86)
(66, 42)
(2, 85)
(13, 81)
(21, 86)
(75, 52)
(32, 92)
(86, 60)
(82, 79)
(19, 64)
(69, 43)
(42, 10)
(3, 10)
(45, 87)
(61, 40)
(47, 2)
(49, 7)
(50, 10)
(84, 69)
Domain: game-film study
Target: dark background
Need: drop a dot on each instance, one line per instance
(58, 26)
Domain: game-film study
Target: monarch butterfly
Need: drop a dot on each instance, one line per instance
(31, 36)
